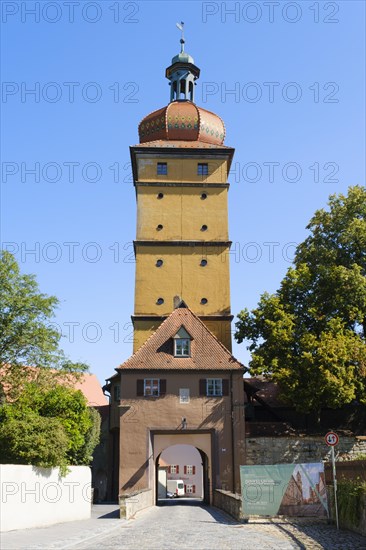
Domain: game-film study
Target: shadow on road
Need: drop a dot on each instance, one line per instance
(105, 511)
(218, 516)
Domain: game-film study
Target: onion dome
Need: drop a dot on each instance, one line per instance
(182, 121)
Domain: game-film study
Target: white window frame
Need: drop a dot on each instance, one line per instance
(173, 468)
(214, 387)
(189, 489)
(187, 344)
(189, 469)
(151, 387)
(184, 395)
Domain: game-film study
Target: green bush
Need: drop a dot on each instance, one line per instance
(34, 440)
(349, 496)
(48, 428)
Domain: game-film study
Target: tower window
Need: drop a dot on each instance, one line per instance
(159, 227)
(203, 263)
(204, 301)
(204, 196)
(204, 228)
(202, 169)
(159, 263)
(160, 195)
(162, 169)
(160, 301)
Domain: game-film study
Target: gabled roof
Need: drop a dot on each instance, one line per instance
(207, 353)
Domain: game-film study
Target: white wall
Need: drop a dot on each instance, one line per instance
(35, 497)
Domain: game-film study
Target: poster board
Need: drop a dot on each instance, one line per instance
(284, 489)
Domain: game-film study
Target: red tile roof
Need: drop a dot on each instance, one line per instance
(92, 390)
(207, 353)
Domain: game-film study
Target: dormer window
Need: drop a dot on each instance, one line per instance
(182, 343)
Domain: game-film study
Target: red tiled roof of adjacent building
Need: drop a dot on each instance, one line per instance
(90, 387)
(206, 353)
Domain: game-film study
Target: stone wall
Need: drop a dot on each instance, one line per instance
(130, 504)
(282, 450)
(229, 502)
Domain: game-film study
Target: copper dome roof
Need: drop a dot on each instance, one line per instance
(182, 120)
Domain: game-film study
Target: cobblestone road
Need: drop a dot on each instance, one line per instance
(185, 527)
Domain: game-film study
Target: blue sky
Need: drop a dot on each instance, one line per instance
(295, 115)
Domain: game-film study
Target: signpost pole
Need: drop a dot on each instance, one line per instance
(335, 485)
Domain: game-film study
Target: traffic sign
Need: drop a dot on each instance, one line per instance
(331, 439)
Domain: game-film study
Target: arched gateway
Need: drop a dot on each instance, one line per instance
(181, 384)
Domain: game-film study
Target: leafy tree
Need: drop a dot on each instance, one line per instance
(27, 337)
(43, 420)
(310, 336)
(34, 440)
(49, 427)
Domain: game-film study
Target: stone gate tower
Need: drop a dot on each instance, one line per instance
(181, 385)
(180, 171)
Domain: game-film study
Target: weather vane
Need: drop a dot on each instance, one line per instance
(182, 41)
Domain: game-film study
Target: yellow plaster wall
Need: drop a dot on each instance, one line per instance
(182, 275)
(182, 212)
(182, 169)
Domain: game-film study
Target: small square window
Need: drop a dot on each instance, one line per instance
(162, 169)
(214, 387)
(184, 395)
(202, 169)
(151, 387)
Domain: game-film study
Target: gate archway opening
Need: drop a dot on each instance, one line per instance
(181, 474)
(189, 456)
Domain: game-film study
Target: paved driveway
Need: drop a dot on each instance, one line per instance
(182, 526)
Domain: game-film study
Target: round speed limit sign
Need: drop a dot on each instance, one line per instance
(331, 439)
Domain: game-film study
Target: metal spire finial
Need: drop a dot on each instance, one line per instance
(182, 41)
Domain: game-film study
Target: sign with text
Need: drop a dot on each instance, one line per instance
(284, 489)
